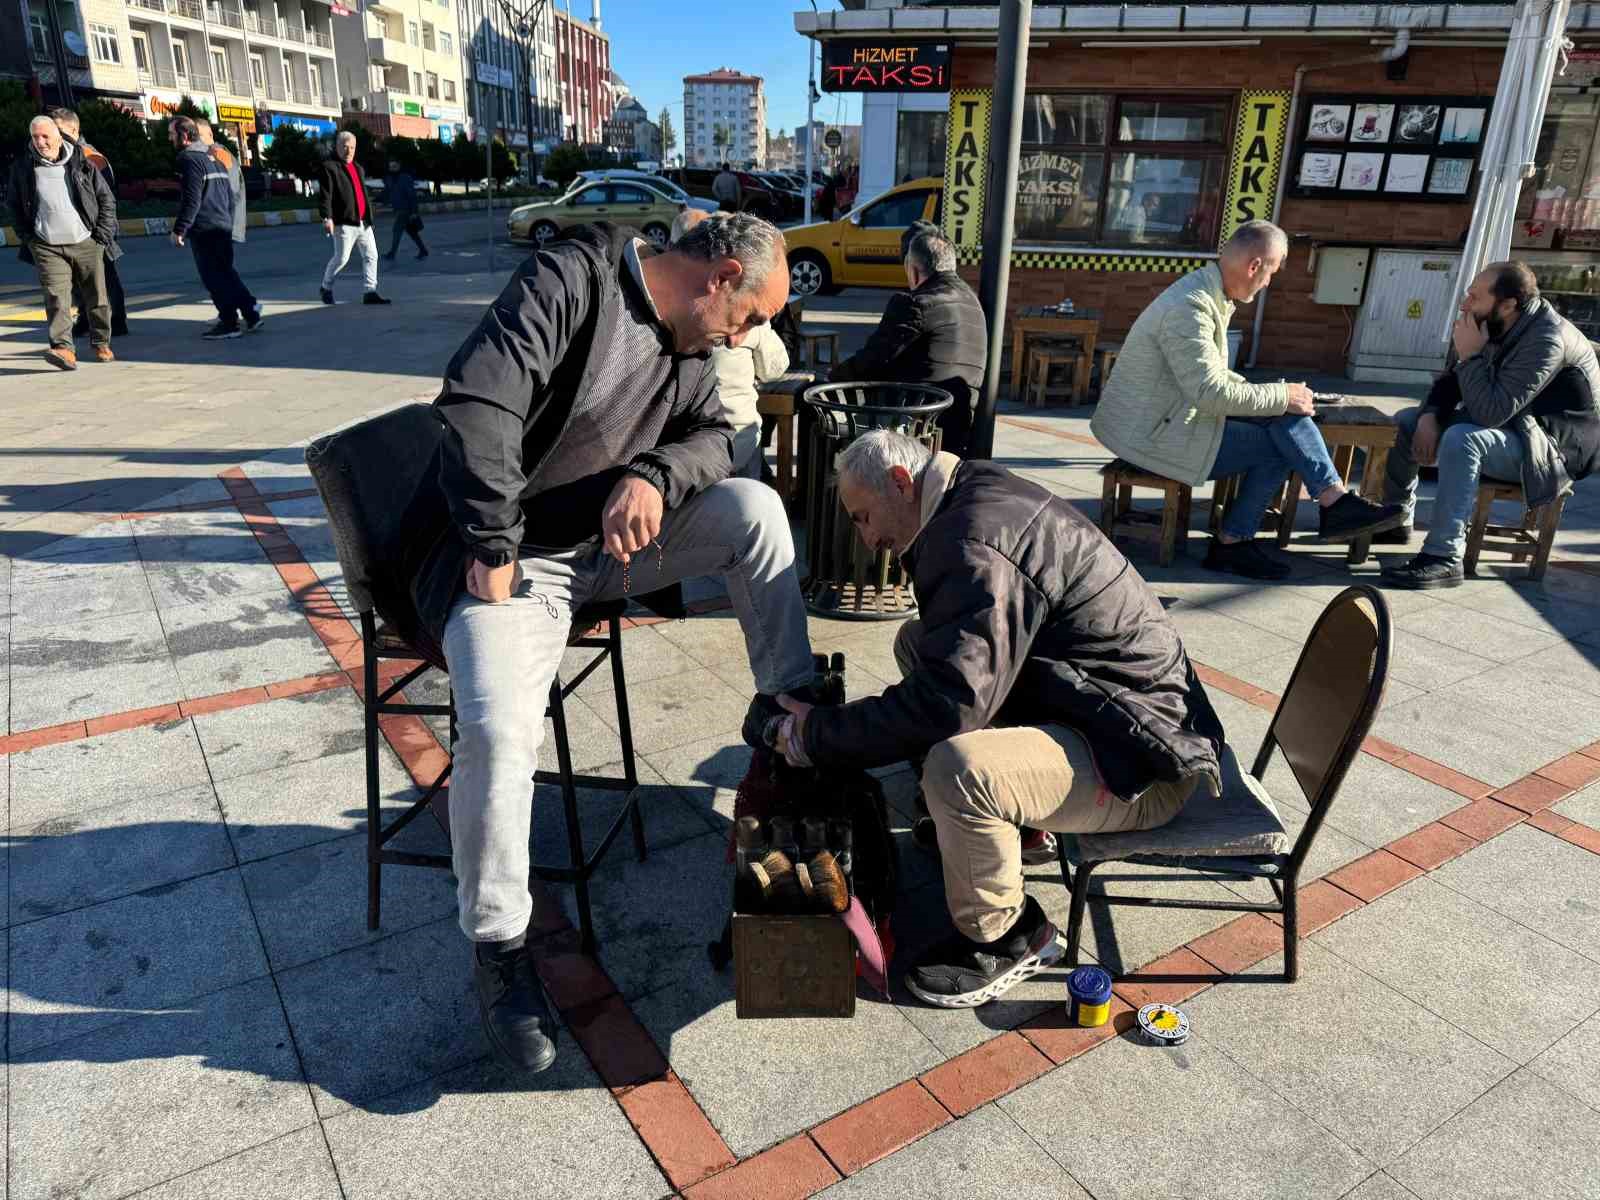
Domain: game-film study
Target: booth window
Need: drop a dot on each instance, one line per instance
(1557, 229)
(1122, 170)
(919, 145)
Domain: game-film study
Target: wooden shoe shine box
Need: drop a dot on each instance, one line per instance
(793, 966)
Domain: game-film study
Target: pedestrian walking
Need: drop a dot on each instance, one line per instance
(205, 224)
(235, 176)
(67, 121)
(401, 188)
(347, 219)
(727, 191)
(67, 219)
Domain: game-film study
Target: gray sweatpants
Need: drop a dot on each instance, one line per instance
(503, 656)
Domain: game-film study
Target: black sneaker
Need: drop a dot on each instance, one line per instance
(374, 298)
(422, 256)
(253, 321)
(961, 973)
(516, 1018)
(387, 257)
(1425, 571)
(221, 331)
(1352, 516)
(1244, 558)
(1400, 535)
(327, 296)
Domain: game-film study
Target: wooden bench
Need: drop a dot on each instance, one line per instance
(1532, 539)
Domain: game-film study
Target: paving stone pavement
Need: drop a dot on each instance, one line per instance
(195, 1006)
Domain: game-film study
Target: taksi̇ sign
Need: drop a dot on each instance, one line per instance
(965, 160)
(1258, 146)
(885, 66)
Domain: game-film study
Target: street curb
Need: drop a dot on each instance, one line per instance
(134, 227)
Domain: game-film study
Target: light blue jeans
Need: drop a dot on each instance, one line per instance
(503, 656)
(1264, 451)
(1466, 454)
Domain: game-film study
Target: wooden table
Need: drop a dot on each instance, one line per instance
(1345, 427)
(1084, 324)
(780, 399)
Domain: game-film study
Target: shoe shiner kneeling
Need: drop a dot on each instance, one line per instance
(1043, 681)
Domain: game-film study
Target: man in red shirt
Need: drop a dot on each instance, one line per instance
(347, 219)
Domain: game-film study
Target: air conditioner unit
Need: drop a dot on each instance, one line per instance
(358, 103)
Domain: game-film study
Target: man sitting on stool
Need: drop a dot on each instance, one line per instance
(1047, 687)
(1522, 405)
(932, 334)
(1173, 407)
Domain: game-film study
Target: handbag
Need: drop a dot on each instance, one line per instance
(414, 224)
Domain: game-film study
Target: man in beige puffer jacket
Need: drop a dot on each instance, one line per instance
(1173, 406)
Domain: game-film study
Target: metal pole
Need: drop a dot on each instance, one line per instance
(811, 101)
(488, 167)
(1005, 151)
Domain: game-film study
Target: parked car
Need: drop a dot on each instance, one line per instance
(758, 195)
(622, 202)
(655, 183)
(861, 248)
(790, 199)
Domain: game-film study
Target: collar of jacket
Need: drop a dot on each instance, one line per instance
(938, 278)
(937, 479)
(632, 273)
(1213, 284)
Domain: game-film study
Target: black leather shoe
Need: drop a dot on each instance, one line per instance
(327, 296)
(1244, 558)
(374, 298)
(1425, 571)
(1352, 516)
(511, 1003)
(1400, 535)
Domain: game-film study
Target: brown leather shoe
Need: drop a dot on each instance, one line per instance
(103, 354)
(62, 356)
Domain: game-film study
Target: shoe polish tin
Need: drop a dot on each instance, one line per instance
(1089, 996)
(1163, 1025)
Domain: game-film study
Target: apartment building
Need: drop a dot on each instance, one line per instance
(86, 41)
(492, 68)
(400, 68)
(583, 56)
(724, 118)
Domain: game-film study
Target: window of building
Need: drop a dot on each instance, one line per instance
(141, 51)
(427, 36)
(416, 83)
(258, 72)
(412, 34)
(1557, 227)
(433, 86)
(107, 48)
(219, 64)
(288, 78)
(1133, 170)
(314, 72)
(446, 43)
(450, 90)
(919, 145)
(180, 59)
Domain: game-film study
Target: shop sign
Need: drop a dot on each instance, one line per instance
(447, 134)
(161, 105)
(1258, 152)
(236, 112)
(964, 176)
(885, 66)
(492, 75)
(312, 127)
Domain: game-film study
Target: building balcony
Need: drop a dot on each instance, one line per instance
(318, 37)
(189, 10)
(230, 18)
(387, 50)
(289, 32)
(159, 6)
(276, 91)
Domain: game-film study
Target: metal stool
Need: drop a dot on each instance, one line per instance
(378, 643)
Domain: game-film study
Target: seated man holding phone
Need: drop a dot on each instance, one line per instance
(1174, 407)
(1522, 404)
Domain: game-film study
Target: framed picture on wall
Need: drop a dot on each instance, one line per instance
(1450, 176)
(1319, 170)
(1462, 127)
(1361, 172)
(1329, 123)
(1407, 173)
(1371, 123)
(1419, 124)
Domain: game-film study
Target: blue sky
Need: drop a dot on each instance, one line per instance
(654, 45)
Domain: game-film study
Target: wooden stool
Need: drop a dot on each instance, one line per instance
(1118, 516)
(1226, 490)
(1042, 359)
(1533, 538)
(1105, 357)
(810, 346)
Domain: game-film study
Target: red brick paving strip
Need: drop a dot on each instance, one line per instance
(1320, 904)
(207, 505)
(1445, 777)
(1577, 770)
(1059, 1041)
(1432, 846)
(1374, 875)
(1533, 793)
(984, 1073)
(1550, 822)
(1239, 944)
(158, 715)
(791, 1170)
(1195, 976)
(1482, 819)
(860, 1136)
(1582, 835)
(672, 1127)
(49, 735)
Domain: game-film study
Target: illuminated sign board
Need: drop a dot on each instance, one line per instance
(885, 66)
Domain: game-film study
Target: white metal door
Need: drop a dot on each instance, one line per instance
(1408, 294)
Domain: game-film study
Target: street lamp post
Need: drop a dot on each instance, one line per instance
(522, 16)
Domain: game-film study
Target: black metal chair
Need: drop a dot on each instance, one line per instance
(1320, 724)
(371, 476)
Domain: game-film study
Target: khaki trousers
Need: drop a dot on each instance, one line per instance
(61, 270)
(983, 787)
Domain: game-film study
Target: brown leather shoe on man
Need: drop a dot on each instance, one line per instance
(62, 356)
(103, 354)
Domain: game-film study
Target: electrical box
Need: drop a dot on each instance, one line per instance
(1341, 275)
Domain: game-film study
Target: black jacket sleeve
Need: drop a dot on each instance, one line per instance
(1494, 391)
(192, 177)
(899, 330)
(696, 447)
(980, 615)
(491, 387)
(105, 222)
(330, 181)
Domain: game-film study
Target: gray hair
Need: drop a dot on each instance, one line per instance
(756, 244)
(343, 135)
(683, 222)
(931, 253)
(1259, 239)
(41, 119)
(870, 458)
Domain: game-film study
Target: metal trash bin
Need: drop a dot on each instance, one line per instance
(844, 578)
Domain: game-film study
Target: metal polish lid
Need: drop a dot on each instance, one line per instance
(1163, 1025)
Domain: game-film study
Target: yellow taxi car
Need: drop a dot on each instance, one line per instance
(861, 248)
(622, 202)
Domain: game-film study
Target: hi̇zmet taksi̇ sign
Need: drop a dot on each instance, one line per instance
(885, 66)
